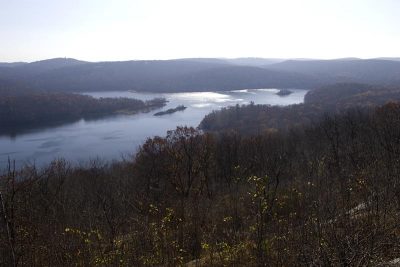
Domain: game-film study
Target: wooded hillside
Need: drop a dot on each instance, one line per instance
(317, 196)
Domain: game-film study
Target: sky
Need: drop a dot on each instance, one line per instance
(108, 30)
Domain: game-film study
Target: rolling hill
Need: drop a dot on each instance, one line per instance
(197, 74)
(155, 76)
(370, 71)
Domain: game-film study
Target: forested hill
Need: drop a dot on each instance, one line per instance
(338, 98)
(371, 71)
(326, 195)
(155, 76)
(64, 74)
(28, 110)
(12, 64)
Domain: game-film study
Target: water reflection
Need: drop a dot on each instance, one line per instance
(112, 137)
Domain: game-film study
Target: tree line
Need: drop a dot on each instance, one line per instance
(21, 111)
(326, 100)
(318, 195)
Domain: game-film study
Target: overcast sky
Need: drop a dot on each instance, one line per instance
(99, 30)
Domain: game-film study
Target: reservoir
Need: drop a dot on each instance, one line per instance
(117, 137)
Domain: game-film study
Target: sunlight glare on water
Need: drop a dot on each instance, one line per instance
(111, 137)
(204, 97)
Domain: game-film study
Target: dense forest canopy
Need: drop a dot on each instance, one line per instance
(322, 195)
(337, 98)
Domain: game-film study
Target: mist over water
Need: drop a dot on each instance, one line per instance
(117, 136)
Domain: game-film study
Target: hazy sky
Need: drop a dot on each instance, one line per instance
(99, 30)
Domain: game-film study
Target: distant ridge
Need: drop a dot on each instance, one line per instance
(370, 71)
(389, 58)
(254, 61)
(199, 74)
(12, 64)
(50, 64)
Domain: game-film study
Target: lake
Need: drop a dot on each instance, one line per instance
(117, 136)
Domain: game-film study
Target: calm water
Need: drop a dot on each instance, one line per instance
(117, 136)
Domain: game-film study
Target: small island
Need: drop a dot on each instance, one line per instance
(284, 92)
(170, 111)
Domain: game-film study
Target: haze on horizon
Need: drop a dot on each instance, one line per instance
(102, 30)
